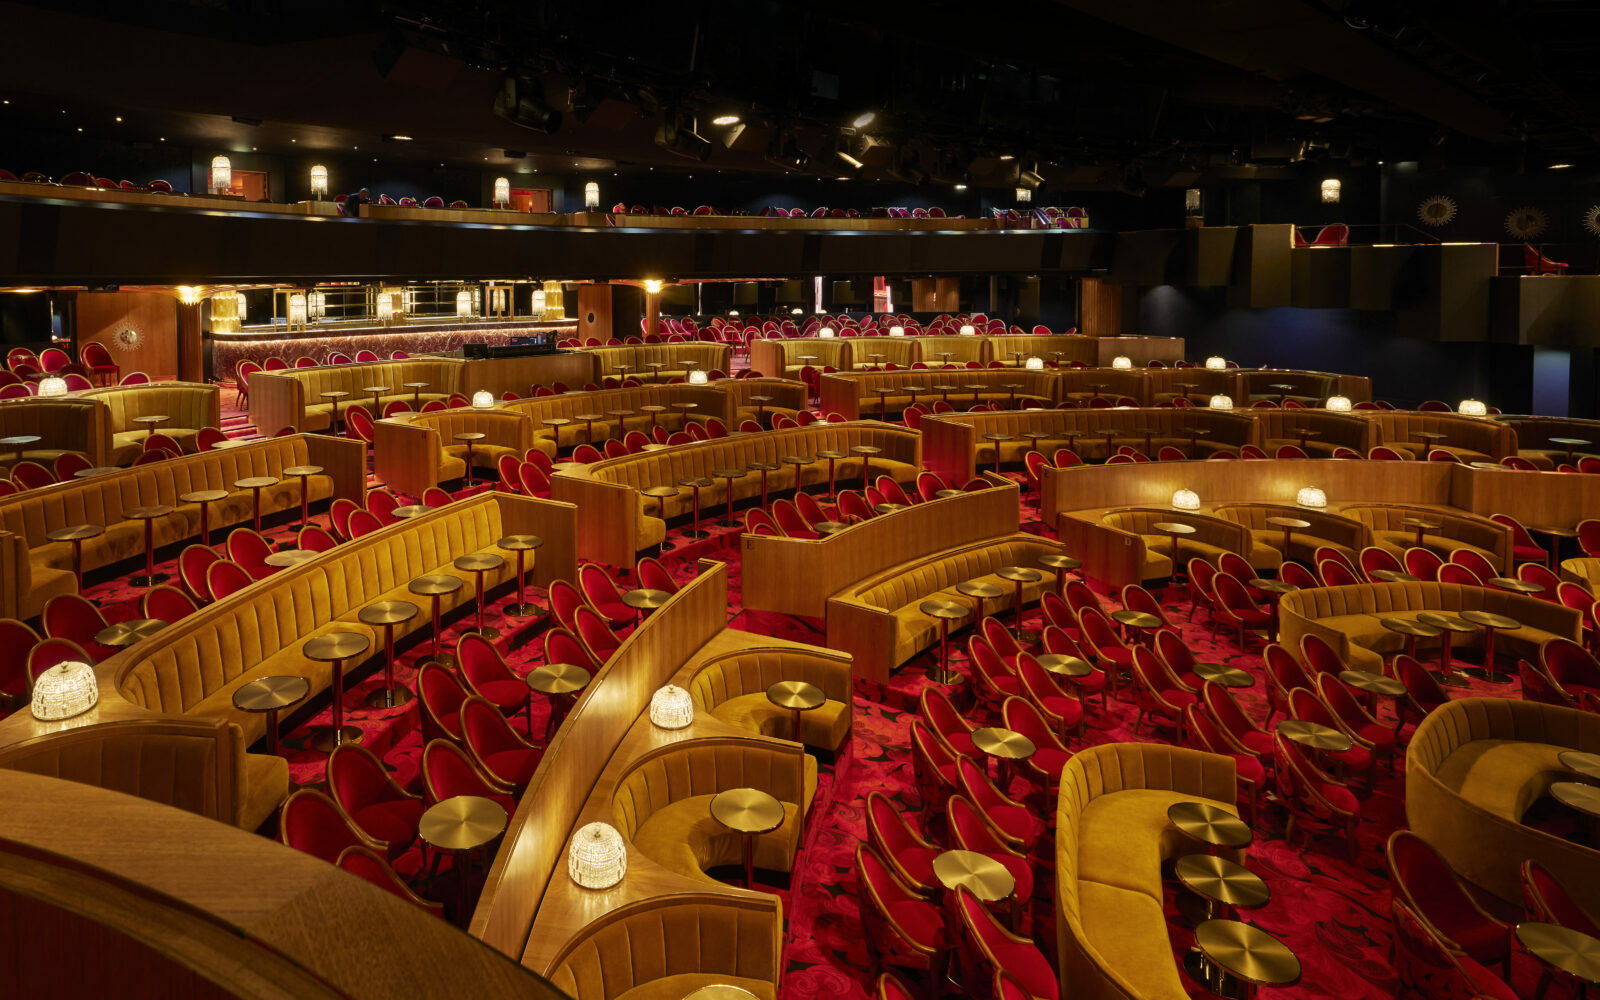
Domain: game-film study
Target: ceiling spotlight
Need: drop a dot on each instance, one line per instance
(522, 102)
(1030, 180)
(865, 118)
(1553, 166)
(684, 142)
(725, 120)
(396, 137)
(1005, 157)
(960, 187)
(850, 161)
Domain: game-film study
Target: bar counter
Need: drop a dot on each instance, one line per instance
(227, 350)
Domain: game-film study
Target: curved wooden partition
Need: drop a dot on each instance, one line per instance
(779, 357)
(1471, 438)
(413, 451)
(710, 400)
(292, 397)
(706, 356)
(789, 396)
(853, 393)
(1534, 434)
(188, 406)
(158, 902)
(530, 908)
(796, 576)
(1308, 387)
(62, 423)
(1057, 348)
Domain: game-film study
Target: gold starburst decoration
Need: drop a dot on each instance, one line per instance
(1437, 210)
(1527, 222)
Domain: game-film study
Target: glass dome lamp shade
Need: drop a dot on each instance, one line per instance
(1338, 404)
(1034, 364)
(319, 181)
(53, 386)
(698, 377)
(671, 707)
(483, 399)
(897, 331)
(1186, 500)
(65, 690)
(967, 330)
(1122, 362)
(597, 858)
(221, 175)
(1311, 496)
(591, 196)
(1216, 363)
(502, 192)
(826, 331)
(1221, 402)
(1472, 408)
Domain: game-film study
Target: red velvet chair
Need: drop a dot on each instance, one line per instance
(971, 831)
(1050, 753)
(1305, 706)
(1060, 709)
(1430, 888)
(1336, 573)
(362, 523)
(484, 673)
(309, 821)
(1433, 971)
(30, 475)
(944, 721)
(1547, 900)
(447, 771)
(168, 604)
(249, 551)
(433, 498)
(1000, 950)
(68, 616)
(1249, 770)
(901, 927)
(595, 634)
(1353, 719)
(1238, 729)
(313, 538)
(995, 681)
(193, 562)
(371, 801)
(652, 575)
(1177, 660)
(903, 848)
(208, 438)
(1012, 820)
(602, 594)
(1319, 657)
(1372, 559)
(364, 864)
(495, 747)
(1156, 694)
(1574, 669)
(933, 768)
(441, 696)
(1523, 547)
(1100, 638)
(1311, 797)
(68, 465)
(99, 361)
(16, 683)
(1235, 610)
(1424, 564)
(561, 646)
(1538, 264)
(1423, 692)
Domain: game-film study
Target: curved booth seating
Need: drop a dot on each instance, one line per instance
(780, 357)
(710, 401)
(413, 451)
(1266, 540)
(1456, 531)
(1474, 767)
(1307, 387)
(1534, 434)
(1083, 384)
(855, 395)
(615, 522)
(702, 355)
(1112, 836)
(789, 397)
(901, 351)
(1150, 558)
(668, 947)
(878, 620)
(1199, 384)
(662, 804)
(35, 569)
(1472, 439)
(733, 688)
(292, 397)
(1324, 430)
(1350, 618)
(1062, 348)
(198, 765)
(188, 406)
(1583, 569)
(63, 424)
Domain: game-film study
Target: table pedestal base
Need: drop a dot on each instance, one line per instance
(1214, 980)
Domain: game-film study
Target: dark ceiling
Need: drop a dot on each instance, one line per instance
(1118, 94)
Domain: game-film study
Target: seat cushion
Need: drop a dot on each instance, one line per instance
(679, 986)
(1123, 838)
(1128, 932)
(266, 785)
(1504, 777)
(827, 726)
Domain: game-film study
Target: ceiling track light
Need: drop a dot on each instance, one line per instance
(684, 142)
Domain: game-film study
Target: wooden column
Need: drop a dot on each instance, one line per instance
(652, 312)
(936, 294)
(594, 312)
(191, 355)
(1099, 308)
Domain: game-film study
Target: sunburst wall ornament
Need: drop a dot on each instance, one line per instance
(127, 340)
(1591, 219)
(1527, 222)
(1437, 210)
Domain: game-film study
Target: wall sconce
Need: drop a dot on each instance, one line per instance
(652, 286)
(591, 196)
(1330, 191)
(1472, 408)
(221, 175)
(597, 858)
(189, 295)
(698, 377)
(897, 331)
(1216, 363)
(65, 690)
(319, 181)
(1122, 362)
(1024, 195)
(53, 386)
(1191, 201)
(1221, 402)
(967, 330)
(483, 399)
(502, 192)
(1310, 496)
(671, 707)
(1034, 364)
(1185, 500)
(826, 331)
(1338, 404)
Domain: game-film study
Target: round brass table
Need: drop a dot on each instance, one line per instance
(1139, 622)
(1569, 443)
(1003, 745)
(285, 558)
(979, 591)
(799, 462)
(1578, 796)
(1411, 629)
(268, 696)
(1421, 524)
(1060, 562)
(555, 424)
(696, 484)
(645, 600)
(761, 408)
(730, 476)
(1365, 680)
(409, 511)
(1065, 665)
(205, 498)
(833, 458)
(983, 876)
(1314, 735)
(304, 472)
(1239, 957)
(255, 484)
(1555, 534)
(1209, 824)
(829, 527)
(100, 470)
(1177, 529)
(1274, 589)
(386, 615)
(77, 534)
(1569, 951)
(654, 409)
(1586, 764)
(416, 392)
(660, 495)
(480, 563)
(884, 392)
(748, 811)
(435, 586)
(1019, 575)
(1224, 885)
(148, 514)
(797, 697)
(333, 417)
(588, 425)
(946, 612)
(1221, 673)
(521, 544)
(1514, 585)
(1490, 622)
(720, 991)
(335, 648)
(1447, 625)
(764, 468)
(460, 824)
(866, 451)
(19, 442)
(888, 507)
(561, 683)
(1289, 526)
(1395, 576)
(468, 437)
(129, 632)
(997, 439)
(377, 400)
(151, 422)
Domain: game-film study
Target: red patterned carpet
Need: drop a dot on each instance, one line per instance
(1331, 910)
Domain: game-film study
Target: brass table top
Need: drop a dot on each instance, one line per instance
(148, 511)
(268, 694)
(1065, 665)
(693, 481)
(829, 527)
(1058, 560)
(1209, 824)
(1490, 619)
(796, 695)
(334, 394)
(375, 388)
(103, 470)
(934, 608)
(997, 436)
(1405, 626)
(1272, 586)
(795, 460)
(336, 646)
(865, 449)
(1174, 527)
(256, 482)
(1288, 522)
(129, 632)
(645, 599)
(1137, 619)
(1221, 673)
(285, 558)
(1365, 680)
(659, 492)
(558, 679)
(888, 507)
(1395, 576)
(747, 810)
(1222, 880)
(302, 470)
(204, 496)
(388, 613)
(409, 511)
(1315, 735)
(77, 532)
(979, 588)
(730, 473)
(555, 421)
(462, 822)
(983, 876)
(619, 413)
(1019, 574)
(652, 408)
(720, 991)
(1513, 584)
(1247, 952)
(1573, 952)
(587, 416)
(19, 439)
(760, 399)
(764, 466)
(947, 494)
(1449, 623)
(469, 436)
(1421, 522)
(1586, 764)
(153, 418)
(1007, 744)
(1575, 442)
(476, 562)
(831, 454)
(1577, 795)
(231, 443)
(686, 406)
(416, 385)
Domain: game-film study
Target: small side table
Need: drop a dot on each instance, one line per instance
(1490, 622)
(1224, 886)
(151, 422)
(416, 392)
(468, 437)
(335, 648)
(521, 544)
(1004, 745)
(148, 514)
(979, 591)
(748, 811)
(1315, 736)
(1019, 575)
(268, 696)
(1177, 529)
(1209, 824)
(1572, 953)
(1221, 673)
(1235, 958)
(1448, 625)
(205, 498)
(644, 601)
(461, 824)
(730, 476)
(797, 697)
(561, 683)
(77, 534)
(945, 612)
(866, 451)
(480, 563)
(333, 415)
(661, 493)
(255, 484)
(696, 483)
(434, 586)
(304, 472)
(124, 634)
(833, 458)
(1059, 563)
(386, 615)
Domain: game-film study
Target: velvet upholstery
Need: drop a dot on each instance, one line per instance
(733, 688)
(188, 405)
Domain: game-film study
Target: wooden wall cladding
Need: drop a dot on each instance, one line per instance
(1261, 271)
(1548, 311)
(153, 316)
